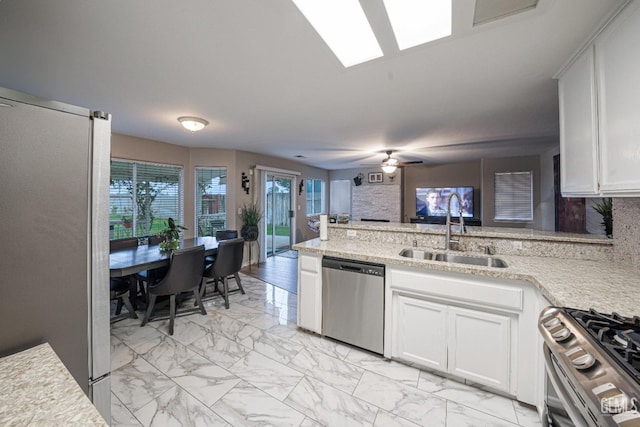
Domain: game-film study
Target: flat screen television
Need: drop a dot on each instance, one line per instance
(432, 201)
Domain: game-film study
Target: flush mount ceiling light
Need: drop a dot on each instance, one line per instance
(417, 22)
(193, 124)
(344, 27)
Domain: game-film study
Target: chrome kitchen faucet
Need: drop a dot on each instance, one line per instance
(447, 238)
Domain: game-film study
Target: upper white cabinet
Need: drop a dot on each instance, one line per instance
(599, 95)
(618, 73)
(578, 128)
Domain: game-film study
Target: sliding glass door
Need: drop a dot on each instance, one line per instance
(278, 213)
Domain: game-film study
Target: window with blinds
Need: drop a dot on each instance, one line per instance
(211, 200)
(340, 197)
(513, 196)
(142, 197)
(315, 196)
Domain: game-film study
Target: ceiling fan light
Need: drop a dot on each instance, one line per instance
(389, 168)
(193, 124)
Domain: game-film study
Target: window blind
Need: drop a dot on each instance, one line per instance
(340, 197)
(315, 196)
(142, 197)
(513, 196)
(211, 200)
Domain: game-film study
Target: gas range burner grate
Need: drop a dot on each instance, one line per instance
(618, 335)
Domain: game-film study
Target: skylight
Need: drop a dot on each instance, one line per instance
(344, 27)
(416, 22)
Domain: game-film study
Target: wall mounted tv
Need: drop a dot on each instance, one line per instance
(431, 201)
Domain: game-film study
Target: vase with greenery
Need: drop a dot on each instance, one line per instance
(171, 235)
(605, 208)
(250, 214)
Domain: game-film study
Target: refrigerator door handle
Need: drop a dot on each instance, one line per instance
(93, 381)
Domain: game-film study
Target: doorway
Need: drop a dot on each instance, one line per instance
(278, 213)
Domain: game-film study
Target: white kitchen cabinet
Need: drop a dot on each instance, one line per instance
(467, 343)
(618, 68)
(579, 128)
(482, 329)
(479, 346)
(599, 99)
(310, 292)
(420, 331)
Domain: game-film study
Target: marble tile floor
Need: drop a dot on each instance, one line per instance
(251, 366)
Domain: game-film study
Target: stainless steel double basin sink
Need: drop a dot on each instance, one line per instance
(485, 261)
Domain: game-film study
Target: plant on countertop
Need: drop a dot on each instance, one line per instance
(250, 214)
(605, 208)
(171, 235)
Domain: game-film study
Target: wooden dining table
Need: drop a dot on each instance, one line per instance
(128, 262)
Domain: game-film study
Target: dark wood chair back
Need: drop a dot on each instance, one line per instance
(226, 234)
(120, 244)
(228, 260)
(185, 272)
(156, 240)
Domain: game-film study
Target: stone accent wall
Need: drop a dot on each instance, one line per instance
(376, 201)
(626, 230)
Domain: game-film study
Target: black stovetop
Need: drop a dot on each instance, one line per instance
(618, 335)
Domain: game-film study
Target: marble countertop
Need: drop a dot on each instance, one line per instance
(602, 285)
(36, 389)
(496, 232)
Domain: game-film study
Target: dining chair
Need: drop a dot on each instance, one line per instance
(184, 275)
(226, 234)
(227, 264)
(119, 290)
(155, 240)
(121, 244)
(146, 277)
(221, 235)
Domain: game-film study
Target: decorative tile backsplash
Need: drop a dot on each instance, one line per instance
(626, 230)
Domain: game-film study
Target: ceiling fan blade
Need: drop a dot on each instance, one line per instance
(414, 162)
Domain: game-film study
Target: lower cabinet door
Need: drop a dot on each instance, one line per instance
(479, 347)
(310, 294)
(420, 332)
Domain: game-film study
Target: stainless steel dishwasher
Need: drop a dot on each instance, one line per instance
(353, 302)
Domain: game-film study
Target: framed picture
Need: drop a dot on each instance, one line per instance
(375, 177)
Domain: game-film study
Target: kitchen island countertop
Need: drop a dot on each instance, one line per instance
(603, 285)
(37, 390)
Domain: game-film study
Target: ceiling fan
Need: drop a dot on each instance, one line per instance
(389, 165)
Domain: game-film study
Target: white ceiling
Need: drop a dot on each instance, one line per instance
(267, 83)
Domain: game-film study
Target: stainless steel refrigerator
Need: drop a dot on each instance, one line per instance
(54, 257)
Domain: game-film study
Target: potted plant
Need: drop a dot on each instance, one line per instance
(127, 222)
(171, 235)
(250, 214)
(605, 208)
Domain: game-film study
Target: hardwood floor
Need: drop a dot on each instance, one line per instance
(280, 271)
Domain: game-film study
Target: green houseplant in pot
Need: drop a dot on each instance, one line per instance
(605, 208)
(250, 214)
(171, 235)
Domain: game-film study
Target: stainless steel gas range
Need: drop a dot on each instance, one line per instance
(593, 367)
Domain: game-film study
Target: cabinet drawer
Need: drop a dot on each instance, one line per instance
(488, 292)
